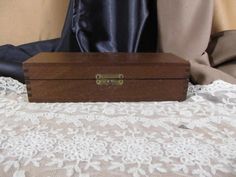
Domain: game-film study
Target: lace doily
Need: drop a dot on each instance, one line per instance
(196, 137)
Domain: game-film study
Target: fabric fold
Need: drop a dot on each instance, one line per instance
(222, 47)
(110, 25)
(222, 52)
(185, 30)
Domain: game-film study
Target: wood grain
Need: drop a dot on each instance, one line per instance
(70, 77)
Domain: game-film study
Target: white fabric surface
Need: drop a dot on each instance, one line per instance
(194, 138)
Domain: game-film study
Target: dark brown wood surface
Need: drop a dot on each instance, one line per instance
(96, 59)
(88, 91)
(73, 71)
(71, 77)
(87, 65)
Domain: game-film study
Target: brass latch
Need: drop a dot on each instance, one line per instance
(110, 79)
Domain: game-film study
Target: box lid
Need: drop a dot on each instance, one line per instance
(87, 65)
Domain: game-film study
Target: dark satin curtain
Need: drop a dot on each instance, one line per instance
(93, 26)
(110, 26)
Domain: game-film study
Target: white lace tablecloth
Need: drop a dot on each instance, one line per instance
(195, 138)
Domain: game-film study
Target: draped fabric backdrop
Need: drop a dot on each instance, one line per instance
(224, 25)
(185, 29)
(27, 21)
(93, 26)
(180, 27)
(224, 15)
(110, 26)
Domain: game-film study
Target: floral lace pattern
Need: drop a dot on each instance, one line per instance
(196, 137)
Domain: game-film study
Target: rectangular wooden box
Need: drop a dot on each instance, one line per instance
(106, 77)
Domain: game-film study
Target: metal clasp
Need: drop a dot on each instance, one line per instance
(110, 79)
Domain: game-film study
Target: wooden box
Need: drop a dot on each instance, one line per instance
(106, 77)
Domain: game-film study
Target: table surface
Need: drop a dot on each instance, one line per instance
(196, 137)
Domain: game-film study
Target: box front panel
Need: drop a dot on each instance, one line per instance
(90, 91)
